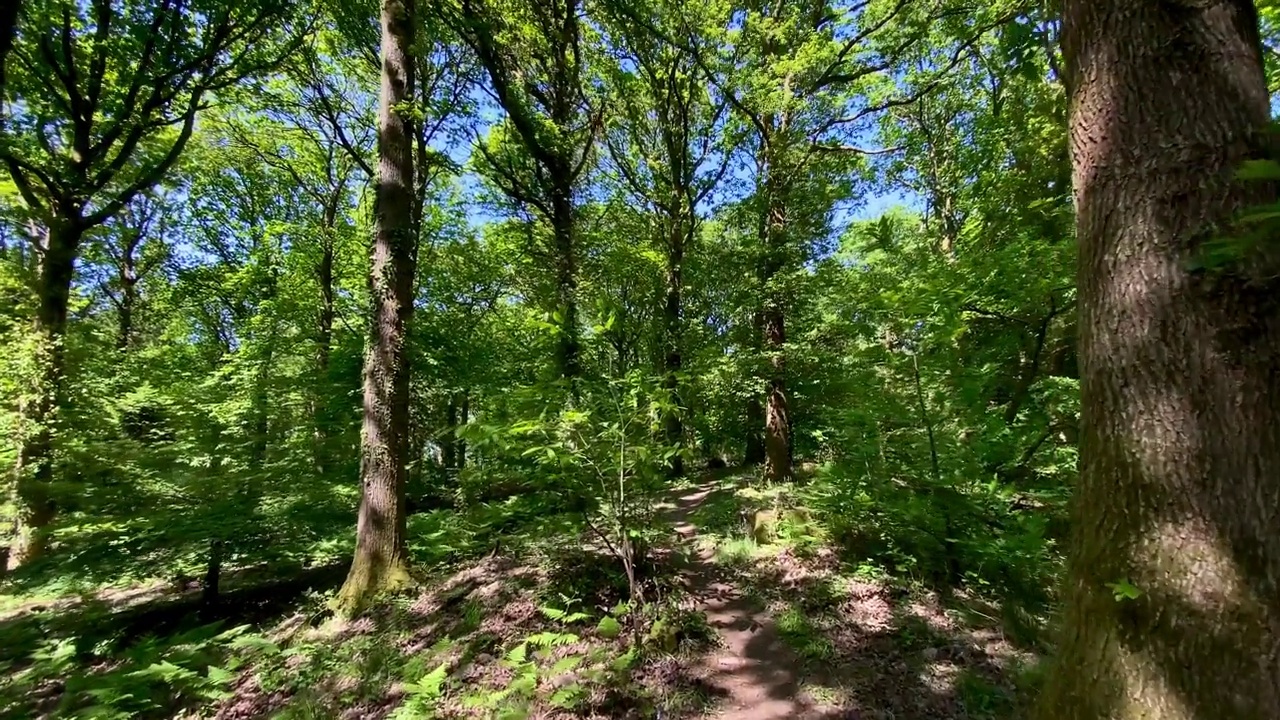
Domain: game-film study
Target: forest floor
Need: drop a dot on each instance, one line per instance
(732, 627)
(798, 640)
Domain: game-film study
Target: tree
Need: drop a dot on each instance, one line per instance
(663, 144)
(380, 560)
(532, 52)
(803, 78)
(8, 24)
(104, 100)
(1171, 603)
(311, 128)
(139, 227)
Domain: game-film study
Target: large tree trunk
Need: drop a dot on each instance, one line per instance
(777, 423)
(754, 454)
(674, 426)
(380, 561)
(36, 505)
(1180, 447)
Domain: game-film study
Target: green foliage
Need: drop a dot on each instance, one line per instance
(422, 695)
(156, 675)
(716, 160)
(808, 642)
(1124, 590)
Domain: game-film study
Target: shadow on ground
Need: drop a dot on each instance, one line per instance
(761, 637)
(800, 641)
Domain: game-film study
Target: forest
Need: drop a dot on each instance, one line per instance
(758, 359)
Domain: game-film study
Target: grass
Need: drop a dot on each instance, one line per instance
(806, 639)
(982, 698)
(735, 552)
(473, 631)
(825, 694)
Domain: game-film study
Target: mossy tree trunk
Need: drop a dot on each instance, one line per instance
(34, 498)
(1180, 444)
(777, 412)
(380, 561)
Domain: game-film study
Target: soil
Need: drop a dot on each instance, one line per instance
(893, 655)
(758, 674)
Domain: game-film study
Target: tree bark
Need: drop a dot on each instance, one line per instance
(324, 334)
(128, 278)
(755, 408)
(777, 424)
(449, 438)
(8, 27)
(464, 417)
(1180, 439)
(380, 561)
(777, 428)
(36, 504)
(672, 312)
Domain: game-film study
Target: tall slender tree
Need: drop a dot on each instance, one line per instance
(8, 25)
(140, 225)
(380, 560)
(532, 53)
(103, 100)
(663, 143)
(1172, 609)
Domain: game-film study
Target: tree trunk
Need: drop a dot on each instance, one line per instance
(128, 290)
(380, 561)
(755, 408)
(777, 424)
(1180, 438)
(36, 505)
(1030, 371)
(777, 429)
(674, 426)
(464, 418)
(449, 438)
(8, 27)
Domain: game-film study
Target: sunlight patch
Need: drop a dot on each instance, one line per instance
(1195, 564)
(1148, 693)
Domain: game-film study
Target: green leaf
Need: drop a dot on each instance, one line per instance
(626, 660)
(565, 664)
(220, 675)
(1124, 590)
(609, 627)
(518, 654)
(567, 696)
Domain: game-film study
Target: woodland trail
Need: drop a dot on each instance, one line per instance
(757, 672)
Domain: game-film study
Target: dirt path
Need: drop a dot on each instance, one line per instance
(758, 672)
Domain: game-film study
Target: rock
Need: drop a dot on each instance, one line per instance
(930, 654)
(561, 681)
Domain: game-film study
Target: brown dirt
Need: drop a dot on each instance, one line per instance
(892, 655)
(888, 654)
(758, 673)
